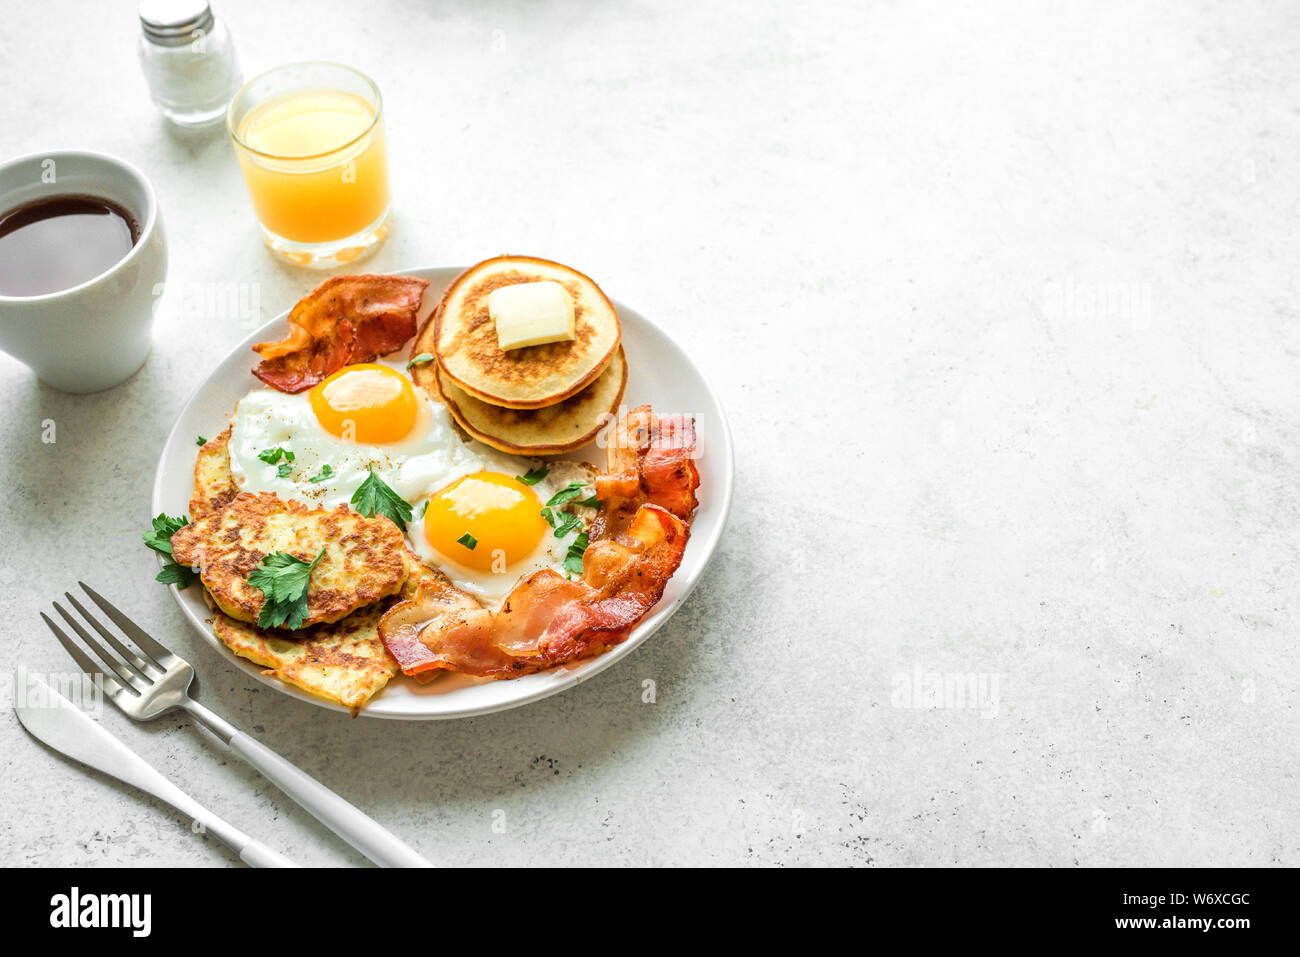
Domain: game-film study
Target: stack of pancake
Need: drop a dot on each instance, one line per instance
(535, 400)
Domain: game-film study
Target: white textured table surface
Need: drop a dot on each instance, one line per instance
(1002, 305)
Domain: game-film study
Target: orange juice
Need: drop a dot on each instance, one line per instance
(315, 164)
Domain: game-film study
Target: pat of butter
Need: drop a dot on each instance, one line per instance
(531, 314)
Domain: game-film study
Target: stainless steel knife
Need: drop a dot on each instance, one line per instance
(66, 728)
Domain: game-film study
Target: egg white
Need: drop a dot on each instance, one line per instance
(428, 459)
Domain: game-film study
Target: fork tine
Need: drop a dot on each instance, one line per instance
(156, 652)
(81, 658)
(135, 661)
(117, 667)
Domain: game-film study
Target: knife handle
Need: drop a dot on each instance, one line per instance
(250, 850)
(345, 820)
(257, 854)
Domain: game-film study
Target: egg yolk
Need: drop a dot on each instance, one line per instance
(500, 515)
(366, 402)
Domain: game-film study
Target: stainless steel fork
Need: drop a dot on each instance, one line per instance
(154, 681)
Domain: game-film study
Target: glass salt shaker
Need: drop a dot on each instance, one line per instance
(189, 60)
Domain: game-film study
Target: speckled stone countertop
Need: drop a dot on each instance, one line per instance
(1001, 301)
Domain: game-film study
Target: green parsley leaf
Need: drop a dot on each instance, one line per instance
(566, 494)
(283, 579)
(326, 472)
(375, 497)
(534, 475)
(160, 540)
(164, 527)
(468, 540)
(200, 441)
(573, 558)
(592, 502)
(271, 456)
(176, 574)
(562, 522)
(284, 470)
(424, 507)
(420, 360)
(567, 524)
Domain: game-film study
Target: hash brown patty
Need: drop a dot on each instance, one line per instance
(364, 558)
(214, 485)
(343, 661)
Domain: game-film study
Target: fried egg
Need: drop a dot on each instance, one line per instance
(473, 516)
(486, 530)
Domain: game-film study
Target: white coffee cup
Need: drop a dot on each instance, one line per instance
(94, 335)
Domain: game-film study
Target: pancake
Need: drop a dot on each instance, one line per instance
(463, 338)
(563, 427)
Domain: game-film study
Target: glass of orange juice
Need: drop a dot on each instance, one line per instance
(310, 142)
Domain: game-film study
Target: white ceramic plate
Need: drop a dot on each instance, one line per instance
(660, 374)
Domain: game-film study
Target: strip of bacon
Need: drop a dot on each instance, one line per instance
(435, 598)
(345, 319)
(649, 459)
(547, 619)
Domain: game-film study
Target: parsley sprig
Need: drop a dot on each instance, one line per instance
(160, 540)
(573, 557)
(174, 573)
(375, 497)
(570, 493)
(564, 522)
(420, 360)
(468, 540)
(271, 456)
(534, 475)
(164, 527)
(283, 579)
(326, 472)
(566, 494)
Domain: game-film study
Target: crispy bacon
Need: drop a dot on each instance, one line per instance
(547, 619)
(345, 319)
(435, 598)
(649, 459)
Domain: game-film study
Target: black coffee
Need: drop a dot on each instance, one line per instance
(61, 242)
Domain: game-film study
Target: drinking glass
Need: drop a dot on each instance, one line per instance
(310, 141)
